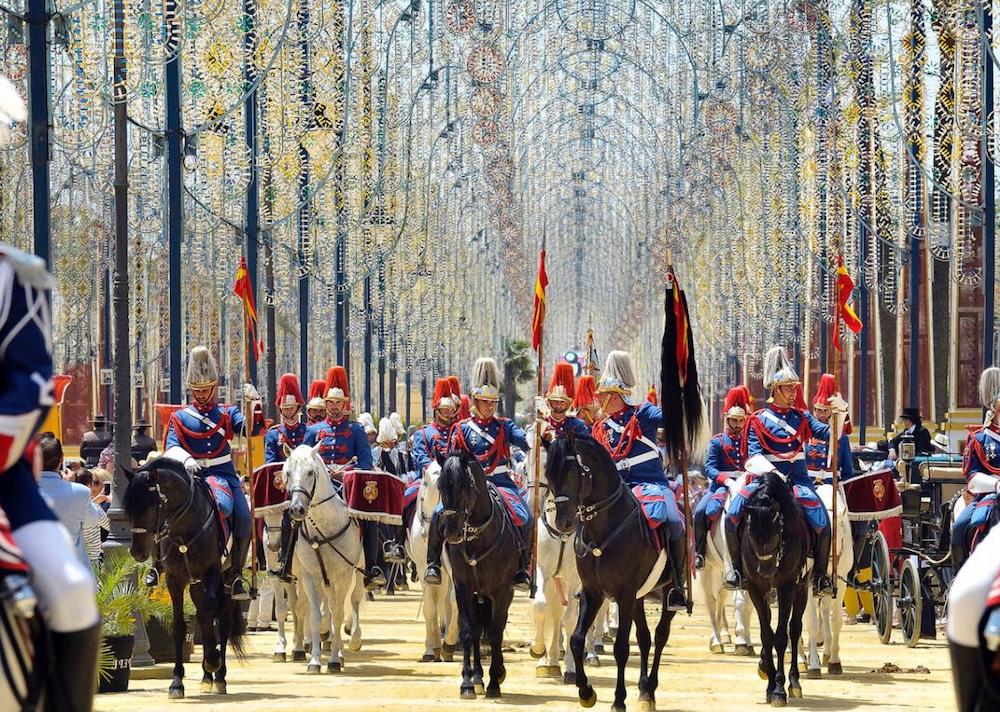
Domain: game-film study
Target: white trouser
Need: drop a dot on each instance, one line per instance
(64, 585)
(967, 596)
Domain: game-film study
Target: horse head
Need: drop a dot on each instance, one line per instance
(457, 486)
(430, 493)
(305, 477)
(768, 514)
(147, 499)
(562, 473)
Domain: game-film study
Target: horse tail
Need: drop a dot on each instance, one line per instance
(237, 629)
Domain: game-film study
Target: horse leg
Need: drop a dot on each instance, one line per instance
(466, 617)
(835, 620)
(765, 667)
(207, 607)
(297, 601)
(497, 624)
(335, 598)
(626, 611)
(432, 631)
(744, 644)
(781, 634)
(480, 622)
(539, 610)
(566, 624)
(448, 604)
(798, 604)
(228, 608)
(714, 601)
(644, 640)
(590, 605)
(313, 596)
(176, 590)
(660, 638)
(357, 595)
(812, 617)
(553, 624)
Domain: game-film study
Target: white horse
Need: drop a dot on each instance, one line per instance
(327, 554)
(717, 598)
(823, 617)
(438, 602)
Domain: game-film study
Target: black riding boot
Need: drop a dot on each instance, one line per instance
(234, 575)
(822, 585)
(73, 681)
(676, 600)
(734, 577)
(971, 691)
(435, 542)
(286, 540)
(522, 577)
(700, 539)
(374, 576)
(859, 532)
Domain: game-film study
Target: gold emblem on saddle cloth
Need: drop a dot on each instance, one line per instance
(878, 489)
(370, 492)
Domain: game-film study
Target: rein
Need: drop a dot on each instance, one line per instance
(779, 553)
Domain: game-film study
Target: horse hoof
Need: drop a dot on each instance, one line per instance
(220, 688)
(207, 687)
(468, 693)
(647, 705)
(617, 708)
(588, 700)
(835, 669)
(814, 674)
(717, 648)
(325, 646)
(761, 673)
(779, 700)
(354, 646)
(727, 638)
(599, 648)
(555, 672)
(593, 660)
(333, 667)
(298, 656)
(492, 693)
(480, 688)
(543, 671)
(447, 656)
(176, 693)
(795, 692)
(741, 649)
(428, 658)
(536, 653)
(279, 658)
(826, 659)
(312, 669)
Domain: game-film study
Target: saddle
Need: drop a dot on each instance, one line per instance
(222, 499)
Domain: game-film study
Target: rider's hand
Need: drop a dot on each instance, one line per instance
(250, 392)
(837, 403)
(192, 466)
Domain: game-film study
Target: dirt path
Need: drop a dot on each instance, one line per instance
(385, 675)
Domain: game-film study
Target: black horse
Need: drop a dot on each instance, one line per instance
(482, 546)
(774, 541)
(175, 512)
(615, 554)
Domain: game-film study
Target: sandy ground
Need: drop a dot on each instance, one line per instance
(385, 674)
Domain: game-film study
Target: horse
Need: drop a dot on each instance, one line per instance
(482, 545)
(176, 512)
(327, 555)
(717, 598)
(823, 616)
(617, 556)
(438, 602)
(774, 539)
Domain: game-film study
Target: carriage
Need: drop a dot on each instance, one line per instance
(913, 578)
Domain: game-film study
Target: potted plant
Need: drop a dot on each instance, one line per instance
(120, 599)
(160, 628)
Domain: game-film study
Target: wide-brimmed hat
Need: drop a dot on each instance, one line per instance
(911, 413)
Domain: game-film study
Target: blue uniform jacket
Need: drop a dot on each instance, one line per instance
(776, 439)
(205, 435)
(567, 424)
(278, 436)
(340, 441)
(429, 442)
(639, 462)
(724, 458)
(490, 442)
(982, 453)
(816, 459)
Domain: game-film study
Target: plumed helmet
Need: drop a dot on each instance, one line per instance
(397, 423)
(778, 369)
(989, 387)
(585, 394)
(336, 384)
(485, 380)
(202, 371)
(368, 421)
(618, 376)
(316, 404)
(442, 394)
(456, 390)
(737, 403)
(317, 389)
(826, 387)
(387, 432)
(562, 386)
(289, 392)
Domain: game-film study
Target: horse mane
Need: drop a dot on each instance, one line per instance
(138, 497)
(775, 489)
(455, 476)
(598, 452)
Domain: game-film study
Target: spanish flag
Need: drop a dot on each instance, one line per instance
(538, 316)
(845, 286)
(244, 290)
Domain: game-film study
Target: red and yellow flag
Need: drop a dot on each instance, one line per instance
(844, 311)
(538, 316)
(244, 290)
(681, 327)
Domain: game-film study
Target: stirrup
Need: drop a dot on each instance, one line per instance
(733, 581)
(823, 587)
(676, 600)
(237, 590)
(699, 562)
(375, 579)
(152, 579)
(522, 581)
(432, 574)
(393, 553)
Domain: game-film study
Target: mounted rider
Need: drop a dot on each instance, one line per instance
(316, 407)
(585, 400)
(340, 441)
(558, 399)
(64, 585)
(776, 441)
(284, 437)
(203, 430)
(628, 432)
(723, 465)
(981, 466)
(430, 444)
(489, 438)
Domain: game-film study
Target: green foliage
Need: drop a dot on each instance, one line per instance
(105, 661)
(517, 360)
(120, 595)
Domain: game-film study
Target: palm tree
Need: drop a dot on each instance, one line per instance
(517, 368)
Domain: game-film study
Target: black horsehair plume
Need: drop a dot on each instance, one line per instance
(679, 391)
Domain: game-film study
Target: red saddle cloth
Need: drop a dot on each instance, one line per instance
(269, 492)
(10, 555)
(222, 494)
(375, 496)
(872, 495)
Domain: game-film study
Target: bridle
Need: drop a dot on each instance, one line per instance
(471, 532)
(775, 554)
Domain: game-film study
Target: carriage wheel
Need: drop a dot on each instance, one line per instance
(911, 603)
(882, 592)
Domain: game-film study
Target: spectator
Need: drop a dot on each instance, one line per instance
(98, 501)
(94, 441)
(70, 501)
(142, 443)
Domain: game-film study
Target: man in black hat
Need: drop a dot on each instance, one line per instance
(912, 425)
(94, 441)
(142, 443)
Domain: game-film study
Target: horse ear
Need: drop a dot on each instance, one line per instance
(128, 473)
(570, 436)
(463, 457)
(316, 448)
(288, 450)
(440, 459)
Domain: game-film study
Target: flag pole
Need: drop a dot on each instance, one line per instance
(835, 444)
(535, 504)
(249, 418)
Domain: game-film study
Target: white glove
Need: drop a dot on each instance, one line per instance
(734, 486)
(250, 392)
(541, 407)
(837, 403)
(192, 466)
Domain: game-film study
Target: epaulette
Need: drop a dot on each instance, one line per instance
(30, 269)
